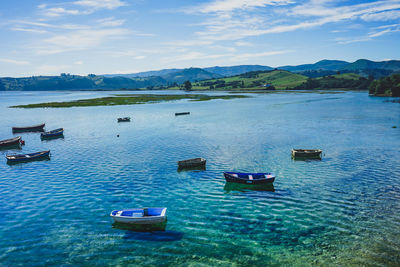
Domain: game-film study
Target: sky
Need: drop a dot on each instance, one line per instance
(127, 36)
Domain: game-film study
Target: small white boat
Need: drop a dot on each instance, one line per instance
(140, 215)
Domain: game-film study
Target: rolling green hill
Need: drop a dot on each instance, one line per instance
(346, 81)
(282, 79)
(275, 79)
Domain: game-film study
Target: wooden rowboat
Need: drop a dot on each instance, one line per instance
(125, 119)
(192, 163)
(140, 215)
(307, 153)
(14, 158)
(16, 141)
(181, 113)
(54, 133)
(249, 178)
(34, 128)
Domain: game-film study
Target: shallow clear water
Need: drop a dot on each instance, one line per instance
(344, 209)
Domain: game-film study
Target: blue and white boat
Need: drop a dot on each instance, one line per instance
(13, 158)
(54, 133)
(249, 178)
(140, 215)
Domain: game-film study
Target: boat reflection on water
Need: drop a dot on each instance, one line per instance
(45, 139)
(148, 232)
(229, 187)
(11, 147)
(197, 168)
(140, 227)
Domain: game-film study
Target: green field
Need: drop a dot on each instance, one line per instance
(256, 80)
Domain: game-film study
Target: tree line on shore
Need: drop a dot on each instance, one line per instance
(386, 86)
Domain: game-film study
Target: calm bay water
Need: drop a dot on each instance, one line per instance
(344, 209)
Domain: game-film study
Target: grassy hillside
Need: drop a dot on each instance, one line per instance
(279, 79)
(346, 81)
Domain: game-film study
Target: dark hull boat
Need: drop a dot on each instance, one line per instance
(192, 163)
(126, 119)
(249, 178)
(181, 113)
(306, 153)
(34, 128)
(28, 157)
(52, 134)
(16, 141)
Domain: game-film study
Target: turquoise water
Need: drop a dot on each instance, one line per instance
(342, 210)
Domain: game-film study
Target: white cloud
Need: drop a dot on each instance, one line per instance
(231, 5)
(110, 22)
(15, 62)
(187, 43)
(59, 11)
(312, 14)
(242, 43)
(377, 32)
(388, 29)
(22, 29)
(100, 4)
(382, 16)
(23, 23)
(79, 40)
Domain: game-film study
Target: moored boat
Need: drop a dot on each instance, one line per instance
(249, 178)
(307, 153)
(16, 141)
(140, 215)
(14, 158)
(33, 128)
(192, 163)
(125, 119)
(54, 133)
(181, 113)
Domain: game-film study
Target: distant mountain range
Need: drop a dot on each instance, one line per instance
(173, 77)
(324, 65)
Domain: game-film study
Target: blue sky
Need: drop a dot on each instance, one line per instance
(126, 36)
